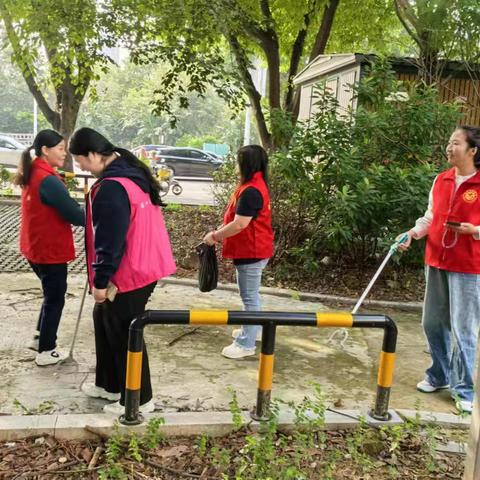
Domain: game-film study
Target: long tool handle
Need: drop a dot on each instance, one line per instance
(78, 318)
(393, 248)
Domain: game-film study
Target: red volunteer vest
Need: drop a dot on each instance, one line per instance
(443, 250)
(45, 237)
(255, 241)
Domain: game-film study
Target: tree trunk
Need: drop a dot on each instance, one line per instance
(252, 92)
(69, 107)
(319, 46)
(323, 33)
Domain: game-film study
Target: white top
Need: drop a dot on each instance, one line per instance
(422, 224)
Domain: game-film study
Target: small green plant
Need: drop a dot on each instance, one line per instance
(202, 444)
(153, 436)
(173, 207)
(221, 458)
(113, 451)
(237, 417)
(134, 448)
(205, 209)
(42, 408)
(295, 295)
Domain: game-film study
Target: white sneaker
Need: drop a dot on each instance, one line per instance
(118, 409)
(236, 351)
(34, 343)
(237, 331)
(426, 387)
(92, 390)
(464, 406)
(49, 357)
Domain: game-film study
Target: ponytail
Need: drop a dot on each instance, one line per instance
(22, 176)
(136, 162)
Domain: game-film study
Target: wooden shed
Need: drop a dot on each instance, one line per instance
(341, 71)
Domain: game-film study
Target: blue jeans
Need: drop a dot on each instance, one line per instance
(451, 320)
(54, 285)
(249, 279)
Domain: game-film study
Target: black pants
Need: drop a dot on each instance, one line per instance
(111, 321)
(54, 285)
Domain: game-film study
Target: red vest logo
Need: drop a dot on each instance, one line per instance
(470, 196)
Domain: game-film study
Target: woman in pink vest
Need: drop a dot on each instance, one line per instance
(46, 238)
(451, 313)
(247, 238)
(128, 250)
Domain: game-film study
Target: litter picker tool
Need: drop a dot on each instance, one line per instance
(70, 358)
(391, 251)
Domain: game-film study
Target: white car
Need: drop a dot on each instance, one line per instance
(10, 151)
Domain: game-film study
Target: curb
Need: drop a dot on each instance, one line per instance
(91, 426)
(304, 296)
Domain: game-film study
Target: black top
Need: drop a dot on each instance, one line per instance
(54, 193)
(249, 205)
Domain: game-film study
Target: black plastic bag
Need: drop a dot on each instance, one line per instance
(208, 267)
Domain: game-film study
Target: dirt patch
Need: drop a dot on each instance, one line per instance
(189, 225)
(364, 454)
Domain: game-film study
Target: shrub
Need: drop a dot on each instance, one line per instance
(349, 184)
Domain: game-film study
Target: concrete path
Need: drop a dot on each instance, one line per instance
(191, 374)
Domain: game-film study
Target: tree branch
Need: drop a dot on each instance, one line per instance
(27, 70)
(323, 33)
(402, 7)
(296, 55)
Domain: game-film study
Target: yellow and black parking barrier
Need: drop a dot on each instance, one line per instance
(269, 321)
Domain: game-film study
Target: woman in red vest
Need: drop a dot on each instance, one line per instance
(451, 312)
(247, 238)
(128, 250)
(46, 238)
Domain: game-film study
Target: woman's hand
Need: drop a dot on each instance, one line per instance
(99, 294)
(404, 246)
(464, 228)
(209, 238)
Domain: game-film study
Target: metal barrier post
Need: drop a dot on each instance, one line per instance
(269, 321)
(134, 375)
(265, 373)
(385, 372)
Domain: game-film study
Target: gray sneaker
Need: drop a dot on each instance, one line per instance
(49, 357)
(426, 387)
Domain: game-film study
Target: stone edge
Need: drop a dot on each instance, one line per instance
(91, 426)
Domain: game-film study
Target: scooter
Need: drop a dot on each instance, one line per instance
(166, 180)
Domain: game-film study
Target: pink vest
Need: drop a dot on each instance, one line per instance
(148, 254)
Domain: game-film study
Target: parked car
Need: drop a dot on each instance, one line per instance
(188, 162)
(10, 151)
(145, 148)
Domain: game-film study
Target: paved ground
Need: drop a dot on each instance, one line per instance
(191, 373)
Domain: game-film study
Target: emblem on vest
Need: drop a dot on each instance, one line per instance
(470, 196)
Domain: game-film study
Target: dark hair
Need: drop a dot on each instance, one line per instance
(472, 135)
(252, 159)
(44, 138)
(86, 140)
